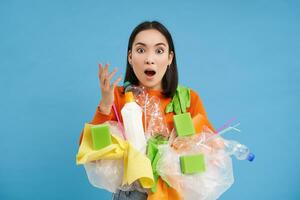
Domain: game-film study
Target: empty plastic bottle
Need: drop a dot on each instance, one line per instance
(240, 151)
(132, 88)
(132, 118)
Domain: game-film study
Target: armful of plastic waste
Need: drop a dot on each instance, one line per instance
(194, 170)
(200, 166)
(197, 165)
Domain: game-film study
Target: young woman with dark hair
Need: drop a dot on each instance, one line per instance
(151, 63)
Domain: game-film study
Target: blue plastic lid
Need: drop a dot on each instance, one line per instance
(251, 157)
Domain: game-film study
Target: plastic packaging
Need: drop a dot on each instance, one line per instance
(139, 93)
(132, 119)
(240, 151)
(206, 141)
(210, 184)
(156, 124)
(106, 174)
(154, 120)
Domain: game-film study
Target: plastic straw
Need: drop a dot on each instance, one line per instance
(224, 131)
(145, 110)
(227, 124)
(230, 128)
(119, 122)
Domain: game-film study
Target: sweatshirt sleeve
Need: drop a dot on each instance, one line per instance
(100, 118)
(197, 107)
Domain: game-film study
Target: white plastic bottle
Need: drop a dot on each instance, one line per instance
(132, 118)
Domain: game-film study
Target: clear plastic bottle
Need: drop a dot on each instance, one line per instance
(132, 118)
(240, 151)
(137, 91)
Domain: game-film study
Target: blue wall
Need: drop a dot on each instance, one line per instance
(242, 58)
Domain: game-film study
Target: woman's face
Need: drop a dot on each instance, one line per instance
(150, 58)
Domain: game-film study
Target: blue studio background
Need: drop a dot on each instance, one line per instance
(242, 58)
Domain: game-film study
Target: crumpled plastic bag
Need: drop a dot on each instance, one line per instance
(156, 124)
(207, 185)
(106, 174)
(126, 170)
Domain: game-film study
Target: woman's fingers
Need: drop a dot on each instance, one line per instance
(100, 74)
(115, 83)
(100, 68)
(109, 77)
(103, 74)
(106, 77)
(105, 70)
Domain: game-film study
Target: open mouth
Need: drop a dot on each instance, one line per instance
(150, 72)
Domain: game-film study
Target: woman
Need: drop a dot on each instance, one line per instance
(151, 63)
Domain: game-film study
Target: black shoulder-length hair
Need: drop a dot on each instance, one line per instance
(170, 79)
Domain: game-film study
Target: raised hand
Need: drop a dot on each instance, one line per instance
(107, 89)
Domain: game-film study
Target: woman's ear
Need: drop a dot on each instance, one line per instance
(129, 57)
(171, 56)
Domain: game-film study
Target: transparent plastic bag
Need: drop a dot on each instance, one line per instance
(206, 141)
(208, 185)
(106, 174)
(156, 124)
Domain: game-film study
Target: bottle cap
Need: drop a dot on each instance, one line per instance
(129, 97)
(251, 157)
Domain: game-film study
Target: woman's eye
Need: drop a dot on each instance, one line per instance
(160, 51)
(140, 50)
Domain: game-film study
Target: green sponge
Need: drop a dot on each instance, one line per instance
(184, 124)
(191, 164)
(101, 136)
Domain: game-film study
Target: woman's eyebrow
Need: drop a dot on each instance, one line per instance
(160, 44)
(140, 43)
(143, 44)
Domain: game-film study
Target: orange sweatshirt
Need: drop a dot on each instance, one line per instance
(196, 107)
